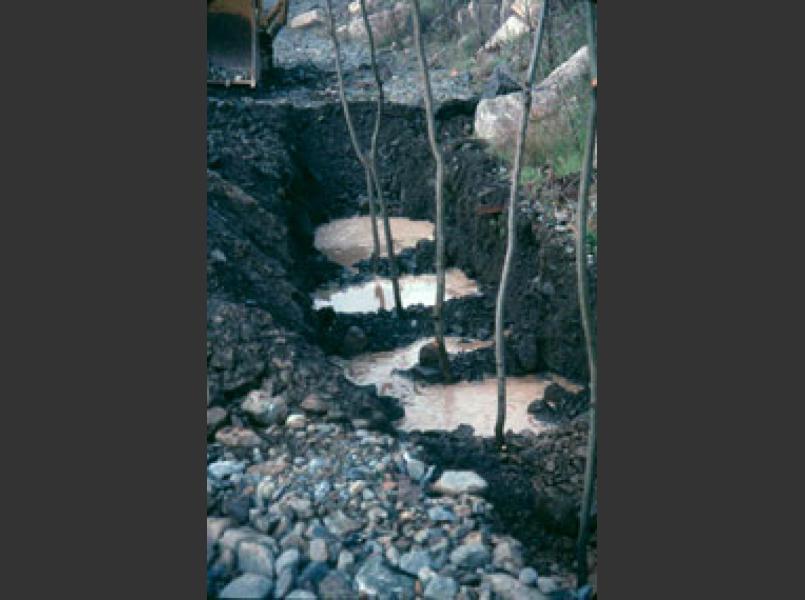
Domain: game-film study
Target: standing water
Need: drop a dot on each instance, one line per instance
(427, 406)
(436, 406)
(378, 294)
(348, 241)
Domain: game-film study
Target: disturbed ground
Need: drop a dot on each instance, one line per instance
(301, 462)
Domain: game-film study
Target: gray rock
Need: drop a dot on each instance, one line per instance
(341, 525)
(287, 560)
(440, 514)
(375, 579)
(255, 558)
(265, 409)
(312, 574)
(301, 595)
(500, 82)
(470, 555)
(547, 585)
(249, 585)
(441, 588)
(296, 421)
(412, 562)
(318, 550)
(454, 483)
(216, 527)
(528, 576)
(346, 560)
(239, 437)
(215, 418)
(415, 468)
(508, 588)
(224, 468)
(508, 556)
(336, 586)
(302, 507)
(285, 581)
(233, 537)
(314, 404)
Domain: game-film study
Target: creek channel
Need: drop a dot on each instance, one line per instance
(427, 406)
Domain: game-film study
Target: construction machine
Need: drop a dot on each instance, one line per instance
(240, 38)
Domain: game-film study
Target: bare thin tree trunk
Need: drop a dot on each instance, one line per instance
(511, 240)
(395, 284)
(584, 304)
(438, 323)
(353, 136)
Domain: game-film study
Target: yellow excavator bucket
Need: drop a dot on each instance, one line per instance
(232, 46)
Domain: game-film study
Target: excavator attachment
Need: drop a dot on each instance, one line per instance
(233, 53)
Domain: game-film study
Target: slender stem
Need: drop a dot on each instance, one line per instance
(511, 241)
(395, 284)
(353, 136)
(584, 304)
(438, 322)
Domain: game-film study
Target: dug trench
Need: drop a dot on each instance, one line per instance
(276, 173)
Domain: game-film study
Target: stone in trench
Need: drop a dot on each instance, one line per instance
(508, 588)
(470, 555)
(237, 437)
(264, 409)
(375, 579)
(454, 483)
(527, 353)
(354, 341)
(256, 558)
(429, 355)
(307, 19)
(249, 585)
(441, 588)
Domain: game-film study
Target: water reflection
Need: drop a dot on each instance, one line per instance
(377, 294)
(429, 407)
(348, 241)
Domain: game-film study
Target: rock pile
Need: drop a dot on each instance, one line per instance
(319, 511)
